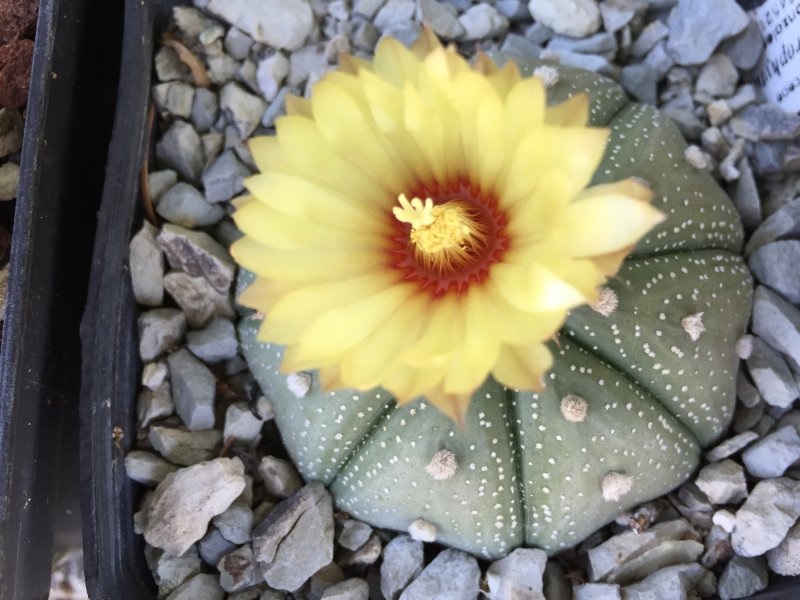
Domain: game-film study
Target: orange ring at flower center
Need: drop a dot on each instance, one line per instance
(442, 275)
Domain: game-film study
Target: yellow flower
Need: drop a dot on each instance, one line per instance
(420, 223)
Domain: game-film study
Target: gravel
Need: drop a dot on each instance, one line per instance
(693, 59)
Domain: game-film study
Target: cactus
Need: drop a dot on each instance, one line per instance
(642, 380)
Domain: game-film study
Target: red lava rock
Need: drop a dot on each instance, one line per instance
(17, 18)
(15, 73)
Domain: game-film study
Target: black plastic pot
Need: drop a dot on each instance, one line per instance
(68, 125)
(113, 553)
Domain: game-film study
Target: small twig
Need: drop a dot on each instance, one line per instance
(144, 179)
(227, 447)
(190, 60)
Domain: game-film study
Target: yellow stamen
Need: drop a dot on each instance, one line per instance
(444, 235)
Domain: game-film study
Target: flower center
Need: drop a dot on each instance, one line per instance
(455, 235)
(444, 236)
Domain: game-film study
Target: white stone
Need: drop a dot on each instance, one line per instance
(518, 576)
(185, 501)
(766, 516)
(575, 18)
(242, 425)
(154, 374)
(279, 476)
(147, 266)
(282, 24)
(772, 455)
(725, 519)
(784, 559)
(723, 482)
(270, 75)
(482, 21)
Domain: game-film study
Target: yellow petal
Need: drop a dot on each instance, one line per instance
(443, 333)
(601, 224)
(296, 105)
(394, 62)
(407, 383)
(523, 367)
(341, 328)
(425, 43)
(573, 112)
(534, 288)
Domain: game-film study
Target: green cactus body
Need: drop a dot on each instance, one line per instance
(637, 388)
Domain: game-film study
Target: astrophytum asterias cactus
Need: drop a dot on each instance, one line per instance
(642, 378)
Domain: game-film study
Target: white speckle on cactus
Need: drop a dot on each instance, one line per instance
(696, 157)
(615, 486)
(574, 408)
(606, 303)
(693, 325)
(549, 75)
(299, 384)
(443, 465)
(422, 531)
(744, 346)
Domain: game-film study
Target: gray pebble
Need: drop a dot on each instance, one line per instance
(363, 556)
(11, 130)
(224, 178)
(597, 591)
(171, 571)
(766, 122)
(160, 181)
(654, 32)
(243, 425)
(241, 109)
(349, 589)
(197, 298)
(520, 46)
(772, 376)
(213, 547)
(393, 13)
(168, 65)
(191, 22)
(659, 60)
(147, 468)
(743, 577)
(205, 109)
(365, 36)
(238, 570)
(212, 145)
(575, 18)
(184, 447)
(698, 26)
(603, 559)
(745, 48)
(783, 223)
(617, 14)
(641, 82)
(186, 500)
(238, 43)
(295, 539)
(198, 254)
(771, 456)
(599, 43)
(538, 33)
(367, 8)
(403, 561)
(235, 524)
(744, 96)
(766, 516)
(215, 343)
(666, 554)
(270, 74)
(320, 581)
(777, 322)
(679, 582)
(723, 482)
(202, 586)
(282, 24)
(775, 264)
(482, 21)
(279, 476)
(160, 330)
(353, 534)
(193, 390)
(9, 181)
(184, 205)
(517, 576)
(146, 266)
(179, 149)
(452, 575)
(745, 196)
(730, 446)
(154, 404)
(718, 77)
(513, 10)
(306, 62)
(153, 374)
(442, 18)
(173, 99)
(406, 32)
(590, 62)
(784, 559)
